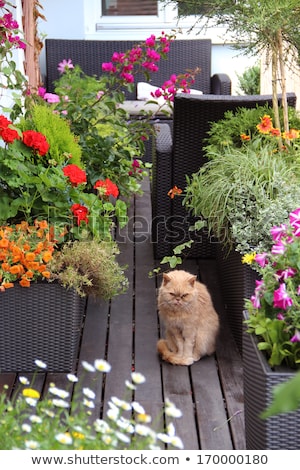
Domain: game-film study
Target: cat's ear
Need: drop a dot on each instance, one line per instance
(192, 280)
(166, 279)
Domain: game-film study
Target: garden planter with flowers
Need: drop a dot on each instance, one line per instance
(271, 340)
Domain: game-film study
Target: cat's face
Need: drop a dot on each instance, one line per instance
(178, 289)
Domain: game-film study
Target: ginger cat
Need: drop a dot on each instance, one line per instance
(190, 320)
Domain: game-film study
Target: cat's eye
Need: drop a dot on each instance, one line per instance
(184, 296)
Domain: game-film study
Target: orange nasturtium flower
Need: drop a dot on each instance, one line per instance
(174, 192)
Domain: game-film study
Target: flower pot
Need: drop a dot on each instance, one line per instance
(277, 432)
(237, 282)
(42, 322)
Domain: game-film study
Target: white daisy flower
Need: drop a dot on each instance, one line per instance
(88, 367)
(35, 419)
(130, 385)
(31, 401)
(171, 430)
(101, 426)
(137, 407)
(113, 414)
(60, 403)
(26, 427)
(164, 437)
(138, 378)
(173, 412)
(122, 437)
(88, 403)
(40, 364)
(64, 438)
(32, 445)
(176, 442)
(89, 393)
(144, 418)
(102, 365)
(59, 392)
(72, 378)
(109, 440)
(125, 425)
(124, 405)
(143, 430)
(23, 380)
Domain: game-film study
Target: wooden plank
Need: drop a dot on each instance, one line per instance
(146, 359)
(178, 389)
(212, 419)
(7, 381)
(229, 360)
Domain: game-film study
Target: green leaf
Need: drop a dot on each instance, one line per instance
(286, 397)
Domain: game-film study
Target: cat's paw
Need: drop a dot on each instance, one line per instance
(181, 361)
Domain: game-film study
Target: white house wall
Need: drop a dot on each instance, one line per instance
(81, 19)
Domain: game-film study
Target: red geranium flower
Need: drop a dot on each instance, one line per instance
(9, 135)
(110, 188)
(37, 141)
(80, 212)
(75, 174)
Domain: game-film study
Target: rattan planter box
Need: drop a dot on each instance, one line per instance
(278, 432)
(237, 282)
(42, 322)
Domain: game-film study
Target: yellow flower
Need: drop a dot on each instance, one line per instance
(31, 393)
(248, 258)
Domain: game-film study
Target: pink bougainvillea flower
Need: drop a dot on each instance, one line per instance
(108, 67)
(65, 65)
(41, 91)
(281, 298)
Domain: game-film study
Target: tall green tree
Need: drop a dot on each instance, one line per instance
(266, 26)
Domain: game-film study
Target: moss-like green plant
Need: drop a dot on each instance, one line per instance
(91, 268)
(57, 132)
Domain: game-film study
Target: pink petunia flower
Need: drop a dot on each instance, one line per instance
(281, 298)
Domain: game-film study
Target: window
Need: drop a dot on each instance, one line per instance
(129, 7)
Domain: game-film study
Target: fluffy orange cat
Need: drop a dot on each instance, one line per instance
(190, 320)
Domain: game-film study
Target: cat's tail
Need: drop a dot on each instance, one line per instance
(164, 351)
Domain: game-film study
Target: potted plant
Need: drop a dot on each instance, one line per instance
(271, 340)
(246, 186)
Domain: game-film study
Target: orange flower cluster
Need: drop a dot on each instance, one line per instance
(266, 127)
(174, 192)
(25, 252)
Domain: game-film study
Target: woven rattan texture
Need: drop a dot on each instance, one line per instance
(90, 54)
(278, 432)
(42, 322)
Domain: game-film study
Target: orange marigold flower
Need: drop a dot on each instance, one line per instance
(47, 256)
(174, 192)
(43, 224)
(5, 266)
(265, 125)
(26, 247)
(29, 274)
(34, 265)
(245, 137)
(46, 274)
(24, 282)
(30, 256)
(8, 285)
(4, 243)
(16, 269)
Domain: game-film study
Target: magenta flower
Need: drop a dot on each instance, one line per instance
(280, 316)
(255, 300)
(281, 298)
(153, 55)
(51, 98)
(41, 91)
(296, 337)
(278, 248)
(298, 290)
(282, 274)
(65, 65)
(108, 67)
(150, 42)
(261, 259)
(278, 232)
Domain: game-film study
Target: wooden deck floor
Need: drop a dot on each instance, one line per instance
(125, 331)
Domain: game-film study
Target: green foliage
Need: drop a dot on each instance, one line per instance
(242, 192)
(90, 268)
(57, 132)
(249, 81)
(227, 131)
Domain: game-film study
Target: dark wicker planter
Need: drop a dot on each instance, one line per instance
(42, 322)
(237, 282)
(278, 432)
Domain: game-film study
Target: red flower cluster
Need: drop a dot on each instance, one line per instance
(109, 188)
(75, 174)
(80, 212)
(37, 141)
(33, 139)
